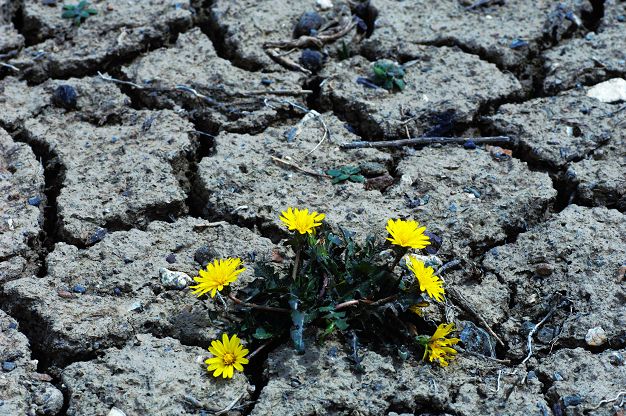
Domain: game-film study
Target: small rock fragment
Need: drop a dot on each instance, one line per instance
(312, 60)
(171, 258)
(65, 96)
(309, 21)
(49, 399)
(173, 279)
(204, 255)
(79, 289)
(544, 269)
(324, 4)
(34, 201)
(596, 336)
(610, 91)
(116, 412)
(8, 366)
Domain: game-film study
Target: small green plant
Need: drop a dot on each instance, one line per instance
(344, 51)
(337, 283)
(388, 74)
(78, 12)
(346, 173)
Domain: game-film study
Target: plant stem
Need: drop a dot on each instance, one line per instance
(296, 263)
(255, 306)
(399, 256)
(365, 301)
(258, 350)
(423, 141)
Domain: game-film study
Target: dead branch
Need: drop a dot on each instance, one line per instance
(298, 168)
(13, 67)
(286, 62)
(312, 41)
(460, 299)
(536, 327)
(424, 141)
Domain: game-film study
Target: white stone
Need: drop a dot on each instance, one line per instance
(324, 4)
(116, 412)
(610, 91)
(174, 280)
(595, 336)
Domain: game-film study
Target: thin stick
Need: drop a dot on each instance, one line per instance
(424, 141)
(368, 302)
(535, 328)
(293, 165)
(296, 264)
(16, 69)
(119, 81)
(255, 306)
(465, 305)
(231, 405)
(258, 350)
(608, 401)
(475, 354)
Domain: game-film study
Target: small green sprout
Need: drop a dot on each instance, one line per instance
(346, 173)
(78, 12)
(388, 74)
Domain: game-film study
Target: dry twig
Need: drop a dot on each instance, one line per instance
(298, 168)
(424, 141)
(621, 393)
(460, 299)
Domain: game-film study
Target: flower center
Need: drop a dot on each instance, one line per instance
(228, 358)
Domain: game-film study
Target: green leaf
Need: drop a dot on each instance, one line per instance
(357, 178)
(69, 7)
(68, 14)
(296, 332)
(84, 14)
(340, 178)
(351, 170)
(92, 11)
(261, 333)
(334, 172)
(399, 83)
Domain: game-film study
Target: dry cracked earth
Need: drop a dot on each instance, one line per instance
(105, 182)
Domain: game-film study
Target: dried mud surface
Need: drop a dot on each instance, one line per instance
(159, 135)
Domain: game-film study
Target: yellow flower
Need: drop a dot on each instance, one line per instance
(228, 354)
(407, 234)
(429, 283)
(439, 348)
(218, 274)
(301, 220)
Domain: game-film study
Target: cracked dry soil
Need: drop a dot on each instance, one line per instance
(103, 183)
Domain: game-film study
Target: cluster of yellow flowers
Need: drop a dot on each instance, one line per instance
(229, 354)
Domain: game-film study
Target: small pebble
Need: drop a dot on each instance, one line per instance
(173, 279)
(12, 325)
(518, 43)
(469, 145)
(8, 366)
(312, 60)
(79, 289)
(266, 81)
(204, 255)
(117, 291)
(34, 201)
(171, 258)
(307, 22)
(616, 359)
(573, 400)
(557, 376)
(65, 96)
(596, 336)
(116, 412)
(544, 269)
(435, 243)
(97, 236)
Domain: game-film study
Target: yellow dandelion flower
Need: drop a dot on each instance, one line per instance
(301, 220)
(229, 356)
(439, 348)
(218, 274)
(429, 283)
(407, 234)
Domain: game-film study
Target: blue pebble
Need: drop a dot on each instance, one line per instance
(266, 81)
(79, 289)
(518, 43)
(117, 291)
(8, 366)
(469, 145)
(34, 201)
(12, 325)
